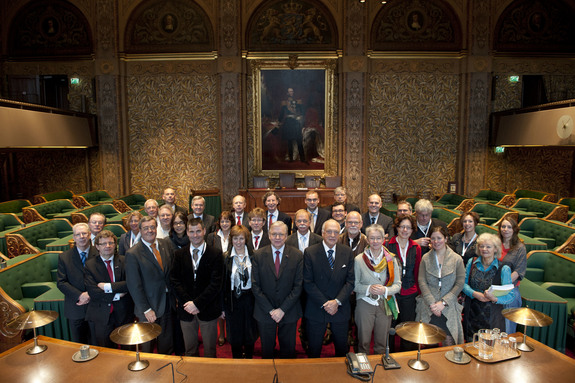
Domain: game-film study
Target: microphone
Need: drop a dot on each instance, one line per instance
(388, 362)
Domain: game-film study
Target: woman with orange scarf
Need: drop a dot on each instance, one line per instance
(377, 280)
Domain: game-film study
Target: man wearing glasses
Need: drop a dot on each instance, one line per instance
(110, 304)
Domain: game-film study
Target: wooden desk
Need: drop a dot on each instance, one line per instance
(291, 199)
(56, 365)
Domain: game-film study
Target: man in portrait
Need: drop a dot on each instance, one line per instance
(291, 119)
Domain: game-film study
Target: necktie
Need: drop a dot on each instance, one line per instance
(83, 257)
(257, 240)
(330, 258)
(372, 220)
(239, 220)
(277, 263)
(312, 226)
(302, 243)
(157, 255)
(195, 255)
(271, 221)
(111, 274)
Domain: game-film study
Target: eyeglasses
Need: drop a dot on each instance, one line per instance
(405, 227)
(107, 244)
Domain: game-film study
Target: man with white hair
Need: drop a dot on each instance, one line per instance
(198, 207)
(425, 224)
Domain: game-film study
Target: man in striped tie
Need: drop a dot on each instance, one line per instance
(328, 282)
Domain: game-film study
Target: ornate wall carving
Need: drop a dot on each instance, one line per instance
(49, 28)
(416, 25)
(413, 121)
(231, 132)
(481, 22)
(540, 26)
(478, 122)
(169, 26)
(292, 25)
(173, 131)
(354, 134)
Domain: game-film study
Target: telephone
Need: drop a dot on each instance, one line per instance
(358, 366)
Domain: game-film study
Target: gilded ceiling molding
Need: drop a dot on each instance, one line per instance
(170, 67)
(415, 66)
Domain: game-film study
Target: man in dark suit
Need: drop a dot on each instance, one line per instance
(277, 277)
(196, 277)
(169, 198)
(148, 266)
(373, 216)
(71, 282)
(328, 283)
(260, 237)
(303, 237)
(338, 214)
(340, 197)
(198, 207)
(271, 201)
(318, 215)
(425, 224)
(240, 215)
(110, 304)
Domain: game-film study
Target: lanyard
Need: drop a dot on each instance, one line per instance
(438, 268)
(468, 244)
(403, 253)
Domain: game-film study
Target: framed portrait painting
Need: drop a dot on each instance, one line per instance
(293, 117)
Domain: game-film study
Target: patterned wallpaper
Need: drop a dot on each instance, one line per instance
(43, 171)
(173, 131)
(412, 130)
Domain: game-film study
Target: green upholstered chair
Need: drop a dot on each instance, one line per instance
(91, 198)
(36, 237)
(14, 206)
(544, 196)
(60, 208)
(530, 207)
(495, 197)
(8, 223)
(62, 194)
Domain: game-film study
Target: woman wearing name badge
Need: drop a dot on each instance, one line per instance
(238, 299)
(441, 279)
(408, 255)
(377, 280)
(482, 308)
(514, 255)
(465, 243)
(132, 236)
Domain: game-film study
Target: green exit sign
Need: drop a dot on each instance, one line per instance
(74, 81)
(513, 78)
(499, 149)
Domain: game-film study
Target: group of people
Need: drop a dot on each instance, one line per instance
(345, 274)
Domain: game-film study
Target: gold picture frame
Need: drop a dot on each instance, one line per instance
(309, 87)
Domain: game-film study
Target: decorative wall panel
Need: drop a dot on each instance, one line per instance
(49, 28)
(173, 132)
(546, 169)
(44, 171)
(412, 130)
(292, 25)
(416, 25)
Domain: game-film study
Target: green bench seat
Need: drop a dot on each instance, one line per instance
(110, 212)
(14, 206)
(37, 237)
(60, 208)
(491, 214)
(529, 207)
(543, 196)
(570, 203)
(46, 197)
(454, 201)
(130, 202)
(31, 284)
(558, 236)
(91, 198)
(495, 197)
(9, 222)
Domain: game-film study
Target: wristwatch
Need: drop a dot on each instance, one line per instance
(444, 303)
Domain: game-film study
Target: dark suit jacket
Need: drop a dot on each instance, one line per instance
(281, 217)
(99, 307)
(293, 240)
(322, 216)
(208, 220)
(264, 241)
(181, 209)
(124, 242)
(272, 292)
(245, 219)
(213, 240)
(205, 290)
(383, 220)
(434, 222)
(147, 282)
(71, 281)
(323, 284)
